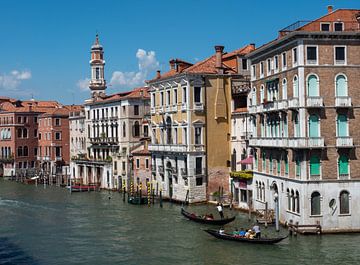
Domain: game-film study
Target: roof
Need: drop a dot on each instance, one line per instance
(12, 105)
(207, 66)
(139, 92)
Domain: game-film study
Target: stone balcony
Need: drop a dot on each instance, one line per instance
(198, 106)
(183, 106)
(269, 142)
(167, 148)
(306, 142)
(152, 110)
(345, 141)
(104, 140)
(343, 102)
(293, 103)
(315, 102)
(174, 108)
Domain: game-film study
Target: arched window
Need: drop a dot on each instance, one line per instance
(20, 151)
(314, 166)
(344, 202)
(19, 133)
(284, 89)
(314, 126)
(343, 166)
(292, 201)
(295, 87)
(342, 126)
(315, 203)
(25, 151)
(257, 190)
(124, 129)
(136, 129)
(263, 191)
(263, 162)
(270, 164)
(297, 199)
(313, 86)
(289, 199)
(168, 130)
(25, 133)
(254, 96)
(341, 86)
(262, 96)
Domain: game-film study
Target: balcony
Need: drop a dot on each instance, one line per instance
(183, 106)
(174, 108)
(168, 108)
(161, 169)
(345, 141)
(315, 177)
(197, 148)
(152, 110)
(305, 142)
(293, 103)
(167, 148)
(198, 106)
(314, 102)
(104, 140)
(58, 158)
(242, 174)
(252, 109)
(184, 172)
(344, 176)
(343, 102)
(269, 142)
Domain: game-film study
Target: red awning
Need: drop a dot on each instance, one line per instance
(246, 161)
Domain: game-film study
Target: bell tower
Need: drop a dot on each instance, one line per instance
(97, 83)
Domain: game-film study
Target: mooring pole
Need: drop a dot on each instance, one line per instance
(161, 205)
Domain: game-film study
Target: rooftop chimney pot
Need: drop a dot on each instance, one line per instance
(158, 75)
(218, 53)
(329, 9)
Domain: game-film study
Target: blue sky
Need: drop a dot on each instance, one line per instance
(45, 45)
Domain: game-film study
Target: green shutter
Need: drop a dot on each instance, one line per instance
(343, 165)
(298, 167)
(313, 126)
(286, 166)
(341, 86)
(314, 166)
(271, 164)
(342, 126)
(313, 86)
(278, 166)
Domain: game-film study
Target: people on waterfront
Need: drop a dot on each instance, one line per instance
(221, 231)
(220, 210)
(242, 232)
(257, 231)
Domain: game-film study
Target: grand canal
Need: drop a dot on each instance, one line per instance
(51, 226)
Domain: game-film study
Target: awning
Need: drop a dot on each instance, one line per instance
(246, 161)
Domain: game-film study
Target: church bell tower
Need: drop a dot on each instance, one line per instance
(97, 83)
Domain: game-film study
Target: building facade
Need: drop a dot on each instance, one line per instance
(304, 99)
(190, 119)
(77, 133)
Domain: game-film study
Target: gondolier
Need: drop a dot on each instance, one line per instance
(220, 210)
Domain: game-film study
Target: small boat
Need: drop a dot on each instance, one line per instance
(199, 219)
(138, 200)
(262, 240)
(79, 188)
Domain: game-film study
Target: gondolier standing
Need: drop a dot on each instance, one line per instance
(220, 210)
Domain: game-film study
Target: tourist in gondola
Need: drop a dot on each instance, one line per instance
(221, 231)
(220, 210)
(242, 232)
(236, 232)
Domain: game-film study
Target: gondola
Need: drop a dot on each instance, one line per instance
(199, 219)
(262, 240)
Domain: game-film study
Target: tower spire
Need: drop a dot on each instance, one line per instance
(97, 63)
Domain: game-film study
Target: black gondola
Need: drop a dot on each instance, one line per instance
(262, 240)
(199, 219)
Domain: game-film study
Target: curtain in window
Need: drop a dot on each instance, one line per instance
(342, 126)
(313, 86)
(341, 86)
(315, 203)
(344, 202)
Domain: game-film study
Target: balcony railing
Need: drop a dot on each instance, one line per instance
(314, 177)
(152, 110)
(100, 140)
(252, 109)
(167, 147)
(315, 102)
(58, 158)
(174, 108)
(183, 106)
(198, 106)
(343, 102)
(269, 142)
(345, 141)
(305, 142)
(168, 108)
(344, 176)
(293, 103)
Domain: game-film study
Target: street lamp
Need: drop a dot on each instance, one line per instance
(276, 200)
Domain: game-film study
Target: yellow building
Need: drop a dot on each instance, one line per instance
(190, 124)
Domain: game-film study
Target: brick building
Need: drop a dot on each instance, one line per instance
(304, 104)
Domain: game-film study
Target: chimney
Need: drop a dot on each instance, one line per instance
(158, 75)
(218, 52)
(172, 64)
(329, 9)
(252, 45)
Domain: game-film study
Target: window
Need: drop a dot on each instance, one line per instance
(97, 73)
(57, 122)
(263, 162)
(136, 129)
(295, 56)
(185, 136)
(269, 66)
(146, 131)
(297, 166)
(341, 86)
(261, 68)
(296, 124)
(146, 163)
(35, 151)
(58, 136)
(253, 71)
(342, 126)
(284, 89)
(243, 195)
(344, 202)
(58, 151)
(338, 26)
(314, 166)
(136, 109)
(295, 87)
(168, 98)
(276, 62)
(325, 26)
(124, 129)
(39, 136)
(197, 94)
(20, 151)
(244, 64)
(314, 126)
(199, 181)
(313, 86)
(161, 99)
(197, 135)
(175, 101)
(284, 62)
(153, 101)
(286, 166)
(262, 96)
(137, 163)
(25, 151)
(311, 54)
(343, 166)
(340, 55)
(270, 165)
(278, 166)
(315, 203)
(184, 95)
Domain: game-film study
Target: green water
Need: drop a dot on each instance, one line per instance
(52, 226)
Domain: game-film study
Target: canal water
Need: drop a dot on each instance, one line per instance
(51, 226)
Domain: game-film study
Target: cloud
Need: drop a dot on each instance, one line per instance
(12, 80)
(83, 84)
(147, 63)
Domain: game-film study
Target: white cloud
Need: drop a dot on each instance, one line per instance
(147, 62)
(83, 84)
(13, 80)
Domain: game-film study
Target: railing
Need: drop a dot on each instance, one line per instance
(197, 148)
(345, 141)
(270, 142)
(198, 106)
(314, 177)
(304, 142)
(343, 102)
(168, 108)
(167, 147)
(183, 106)
(315, 102)
(152, 110)
(174, 108)
(344, 176)
(293, 103)
(104, 140)
(58, 158)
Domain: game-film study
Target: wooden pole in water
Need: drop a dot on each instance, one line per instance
(161, 205)
(266, 210)
(149, 193)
